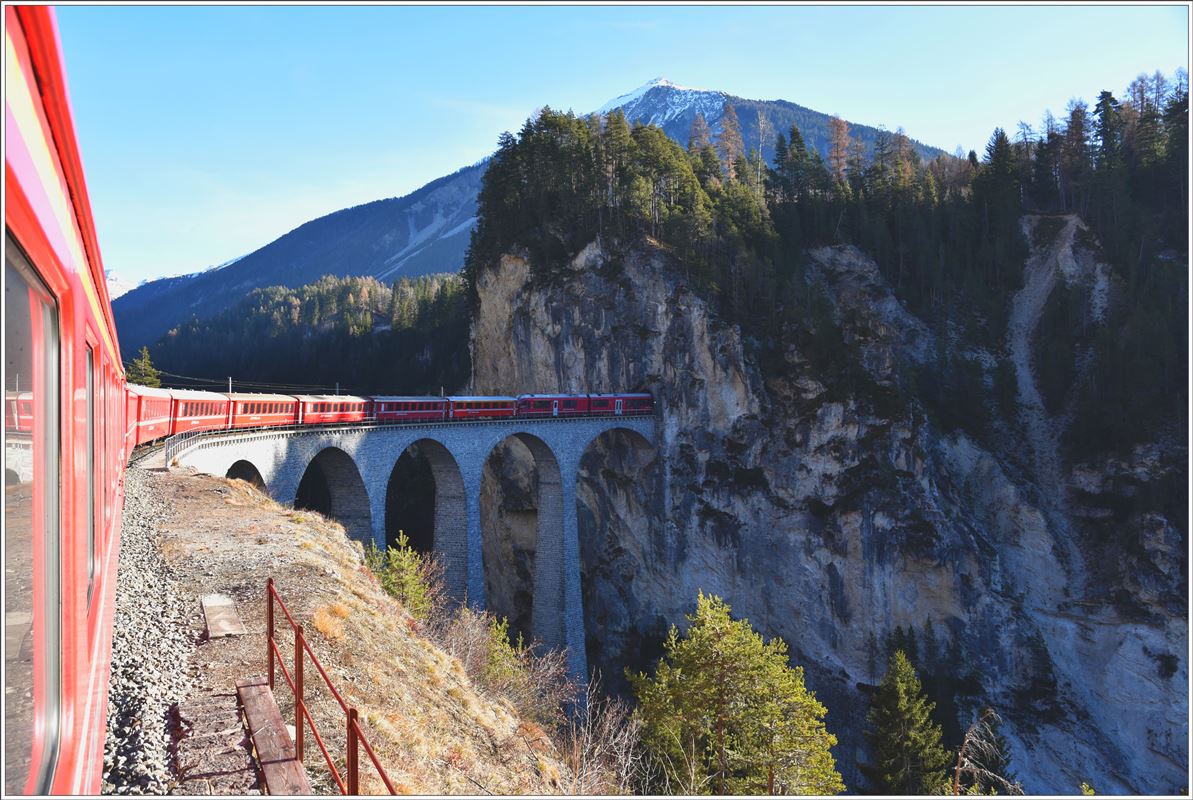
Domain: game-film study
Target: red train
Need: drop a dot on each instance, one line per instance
(162, 412)
(65, 440)
(71, 422)
(190, 410)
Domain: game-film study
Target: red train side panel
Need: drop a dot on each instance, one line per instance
(465, 408)
(552, 405)
(153, 413)
(263, 410)
(622, 404)
(63, 493)
(322, 409)
(197, 411)
(394, 408)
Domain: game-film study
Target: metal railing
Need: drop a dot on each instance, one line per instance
(182, 441)
(350, 784)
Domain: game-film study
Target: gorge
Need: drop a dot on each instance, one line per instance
(828, 514)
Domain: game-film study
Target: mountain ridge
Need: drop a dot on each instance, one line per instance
(428, 230)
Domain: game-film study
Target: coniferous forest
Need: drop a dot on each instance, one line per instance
(408, 338)
(945, 233)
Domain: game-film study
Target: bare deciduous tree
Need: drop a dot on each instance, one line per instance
(978, 750)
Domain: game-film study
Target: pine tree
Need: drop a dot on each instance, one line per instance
(730, 146)
(908, 758)
(1108, 131)
(142, 372)
(726, 713)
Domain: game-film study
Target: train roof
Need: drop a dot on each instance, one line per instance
(400, 398)
(148, 391)
(622, 394)
(559, 395)
(252, 397)
(480, 398)
(196, 394)
(331, 398)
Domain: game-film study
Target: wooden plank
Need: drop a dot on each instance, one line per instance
(219, 613)
(281, 771)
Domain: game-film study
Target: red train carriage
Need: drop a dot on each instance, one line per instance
(552, 405)
(152, 409)
(18, 412)
(624, 404)
(262, 410)
(320, 409)
(197, 411)
(465, 408)
(63, 491)
(394, 408)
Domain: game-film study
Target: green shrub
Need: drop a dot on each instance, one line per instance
(413, 578)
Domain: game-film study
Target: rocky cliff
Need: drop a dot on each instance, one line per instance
(810, 487)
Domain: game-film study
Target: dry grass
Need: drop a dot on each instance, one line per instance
(328, 624)
(436, 728)
(438, 714)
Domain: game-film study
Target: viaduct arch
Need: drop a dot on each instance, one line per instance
(347, 472)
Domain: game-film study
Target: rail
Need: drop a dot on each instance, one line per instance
(350, 783)
(182, 441)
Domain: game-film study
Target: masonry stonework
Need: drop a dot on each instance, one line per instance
(358, 461)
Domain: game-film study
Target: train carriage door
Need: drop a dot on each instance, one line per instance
(555, 408)
(617, 406)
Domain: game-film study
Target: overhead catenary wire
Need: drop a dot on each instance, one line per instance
(193, 382)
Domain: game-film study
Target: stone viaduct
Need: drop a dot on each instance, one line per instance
(357, 463)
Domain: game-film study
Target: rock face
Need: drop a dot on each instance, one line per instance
(829, 509)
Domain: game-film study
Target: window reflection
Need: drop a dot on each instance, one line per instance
(31, 562)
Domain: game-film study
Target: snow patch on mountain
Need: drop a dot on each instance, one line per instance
(117, 284)
(640, 92)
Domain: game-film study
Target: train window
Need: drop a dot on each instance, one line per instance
(32, 665)
(89, 400)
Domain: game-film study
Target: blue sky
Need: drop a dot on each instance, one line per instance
(208, 132)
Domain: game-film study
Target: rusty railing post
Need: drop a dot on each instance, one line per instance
(269, 629)
(353, 768)
(299, 703)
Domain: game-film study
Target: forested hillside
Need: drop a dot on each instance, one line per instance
(421, 233)
(408, 338)
(946, 233)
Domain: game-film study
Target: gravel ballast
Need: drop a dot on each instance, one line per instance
(151, 646)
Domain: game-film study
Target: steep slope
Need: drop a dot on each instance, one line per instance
(426, 231)
(829, 509)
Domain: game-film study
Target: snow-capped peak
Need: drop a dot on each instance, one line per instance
(630, 97)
